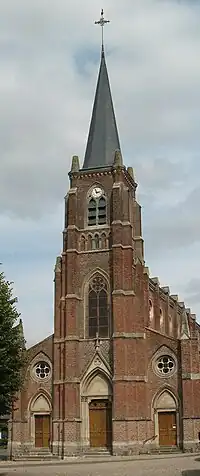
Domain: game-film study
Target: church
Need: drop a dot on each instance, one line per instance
(121, 373)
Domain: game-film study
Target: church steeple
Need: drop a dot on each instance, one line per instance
(103, 139)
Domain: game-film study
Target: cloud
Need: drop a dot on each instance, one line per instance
(192, 291)
(28, 253)
(49, 59)
(49, 66)
(160, 173)
(193, 286)
(175, 226)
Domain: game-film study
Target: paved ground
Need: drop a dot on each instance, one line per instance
(152, 466)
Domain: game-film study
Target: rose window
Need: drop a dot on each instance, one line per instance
(165, 365)
(42, 370)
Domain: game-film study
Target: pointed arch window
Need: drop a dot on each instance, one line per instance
(170, 325)
(103, 241)
(82, 243)
(98, 309)
(162, 321)
(96, 242)
(151, 312)
(97, 211)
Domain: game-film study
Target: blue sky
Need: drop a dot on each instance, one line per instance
(49, 60)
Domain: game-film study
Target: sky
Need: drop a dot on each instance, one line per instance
(49, 61)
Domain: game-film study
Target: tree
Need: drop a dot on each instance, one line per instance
(12, 347)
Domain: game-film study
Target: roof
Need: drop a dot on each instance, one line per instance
(103, 139)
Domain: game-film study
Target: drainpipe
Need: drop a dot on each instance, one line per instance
(180, 394)
(63, 416)
(58, 432)
(62, 433)
(11, 433)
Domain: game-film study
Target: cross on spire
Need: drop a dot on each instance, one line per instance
(103, 139)
(102, 22)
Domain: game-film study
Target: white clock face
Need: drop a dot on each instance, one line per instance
(96, 192)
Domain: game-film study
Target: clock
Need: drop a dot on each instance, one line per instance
(96, 192)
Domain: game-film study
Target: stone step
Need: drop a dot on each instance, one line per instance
(35, 457)
(37, 454)
(165, 449)
(97, 452)
(44, 451)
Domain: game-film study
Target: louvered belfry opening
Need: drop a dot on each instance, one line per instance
(92, 212)
(102, 211)
(97, 211)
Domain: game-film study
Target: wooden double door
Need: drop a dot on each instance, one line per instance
(100, 419)
(42, 431)
(167, 428)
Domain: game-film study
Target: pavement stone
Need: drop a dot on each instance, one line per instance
(167, 465)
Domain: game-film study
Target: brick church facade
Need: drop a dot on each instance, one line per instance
(121, 372)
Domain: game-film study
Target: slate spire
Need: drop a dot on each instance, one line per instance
(103, 139)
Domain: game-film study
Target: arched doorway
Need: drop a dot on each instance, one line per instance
(100, 421)
(166, 419)
(40, 421)
(96, 408)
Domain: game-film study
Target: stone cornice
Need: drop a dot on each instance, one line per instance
(98, 250)
(129, 335)
(62, 340)
(120, 222)
(72, 191)
(124, 247)
(73, 296)
(138, 238)
(130, 378)
(117, 443)
(57, 420)
(99, 172)
(72, 250)
(71, 227)
(97, 228)
(121, 292)
(118, 184)
(67, 380)
(190, 376)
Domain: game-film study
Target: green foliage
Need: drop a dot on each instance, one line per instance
(12, 347)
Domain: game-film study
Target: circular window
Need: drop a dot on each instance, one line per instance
(42, 370)
(165, 365)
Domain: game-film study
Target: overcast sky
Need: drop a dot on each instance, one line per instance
(49, 61)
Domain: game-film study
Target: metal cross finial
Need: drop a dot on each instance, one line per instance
(102, 22)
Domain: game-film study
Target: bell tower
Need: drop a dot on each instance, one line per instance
(98, 320)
